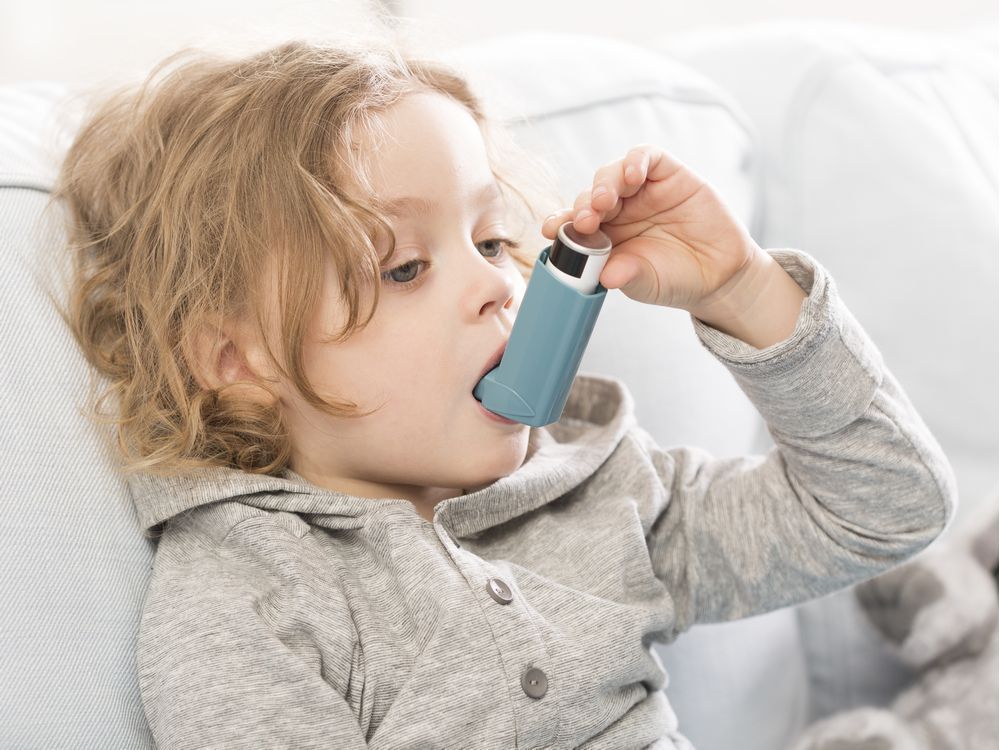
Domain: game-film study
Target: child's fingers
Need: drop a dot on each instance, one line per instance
(587, 216)
(635, 167)
(622, 178)
(554, 221)
(613, 182)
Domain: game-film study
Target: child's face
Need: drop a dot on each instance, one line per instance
(423, 352)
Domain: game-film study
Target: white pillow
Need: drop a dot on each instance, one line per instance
(880, 159)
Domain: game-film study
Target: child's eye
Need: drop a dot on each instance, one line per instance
(408, 269)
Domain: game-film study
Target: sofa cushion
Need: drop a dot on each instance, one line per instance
(880, 158)
(74, 564)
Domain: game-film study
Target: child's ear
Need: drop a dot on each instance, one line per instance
(227, 352)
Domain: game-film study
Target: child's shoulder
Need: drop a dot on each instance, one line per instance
(231, 531)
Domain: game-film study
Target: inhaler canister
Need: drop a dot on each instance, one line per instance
(551, 331)
(577, 259)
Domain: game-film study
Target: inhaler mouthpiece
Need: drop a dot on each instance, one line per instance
(551, 331)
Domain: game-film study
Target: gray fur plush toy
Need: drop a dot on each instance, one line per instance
(938, 614)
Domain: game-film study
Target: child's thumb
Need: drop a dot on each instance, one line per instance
(618, 272)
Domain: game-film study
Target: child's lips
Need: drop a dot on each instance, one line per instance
(493, 415)
(492, 362)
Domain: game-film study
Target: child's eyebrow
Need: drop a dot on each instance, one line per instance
(421, 207)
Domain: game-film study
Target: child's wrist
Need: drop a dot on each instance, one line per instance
(762, 309)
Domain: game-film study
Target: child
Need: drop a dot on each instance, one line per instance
(293, 269)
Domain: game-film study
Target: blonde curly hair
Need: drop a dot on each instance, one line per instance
(181, 190)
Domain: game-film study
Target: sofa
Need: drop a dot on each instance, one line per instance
(872, 149)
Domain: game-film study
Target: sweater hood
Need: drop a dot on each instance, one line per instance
(599, 411)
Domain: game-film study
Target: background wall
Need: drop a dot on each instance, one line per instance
(111, 40)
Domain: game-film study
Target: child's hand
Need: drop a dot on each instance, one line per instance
(674, 242)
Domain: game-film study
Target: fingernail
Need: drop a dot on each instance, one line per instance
(584, 213)
(599, 190)
(630, 171)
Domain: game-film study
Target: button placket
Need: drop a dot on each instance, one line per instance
(525, 645)
(533, 681)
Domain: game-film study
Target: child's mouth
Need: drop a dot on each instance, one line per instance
(491, 415)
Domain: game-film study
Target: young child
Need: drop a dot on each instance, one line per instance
(292, 269)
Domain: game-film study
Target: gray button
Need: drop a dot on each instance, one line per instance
(499, 590)
(534, 682)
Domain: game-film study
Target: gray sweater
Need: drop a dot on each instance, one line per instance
(281, 614)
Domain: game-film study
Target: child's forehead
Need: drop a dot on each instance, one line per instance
(417, 206)
(419, 159)
(420, 140)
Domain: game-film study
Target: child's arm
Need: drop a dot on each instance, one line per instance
(855, 485)
(228, 655)
(856, 482)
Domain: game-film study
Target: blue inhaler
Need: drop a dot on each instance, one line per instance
(551, 330)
